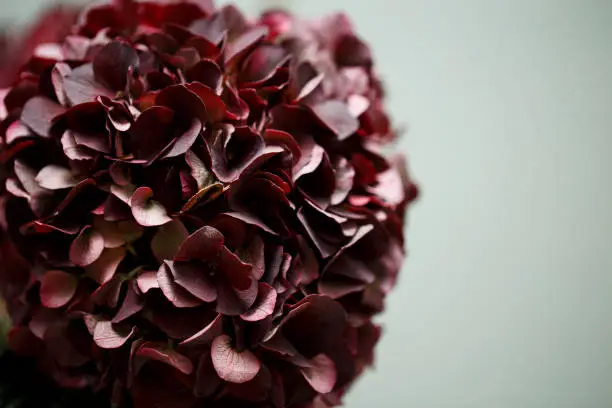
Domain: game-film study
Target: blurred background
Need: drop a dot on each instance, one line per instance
(506, 298)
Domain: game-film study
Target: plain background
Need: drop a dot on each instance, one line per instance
(506, 298)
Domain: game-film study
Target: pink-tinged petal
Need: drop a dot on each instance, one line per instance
(241, 45)
(86, 247)
(309, 161)
(117, 233)
(204, 244)
(168, 239)
(57, 288)
(112, 64)
(336, 116)
(231, 365)
(345, 174)
(262, 64)
(123, 192)
(184, 142)
(147, 212)
(109, 335)
(147, 280)
(192, 277)
(161, 352)
(38, 114)
(131, 305)
(81, 87)
(27, 178)
(357, 105)
(109, 293)
(58, 73)
(322, 374)
(264, 304)
(254, 255)
(104, 268)
(54, 177)
(207, 380)
(73, 150)
(389, 187)
(205, 336)
(179, 297)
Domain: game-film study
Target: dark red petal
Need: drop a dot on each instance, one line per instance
(112, 64)
(207, 72)
(243, 43)
(152, 132)
(104, 268)
(173, 292)
(204, 244)
(147, 212)
(184, 142)
(167, 240)
(57, 288)
(207, 380)
(322, 374)
(38, 114)
(336, 116)
(199, 170)
(183, 102)
(87, 247)
(262, 64)
(264, 304)
(161, 352)
(215, 107)
(231, 365)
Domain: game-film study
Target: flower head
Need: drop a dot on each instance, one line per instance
(195, 209)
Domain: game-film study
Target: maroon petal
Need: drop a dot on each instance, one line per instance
(117, 233)
(207, 380)
(205, 336)
(244, 42)
(38, 114)
(81, 87)
(336, 116)
(57, 288)
(232, 365)
(152, 132)
(192, 277)
(321, 375)
(264, 304)
(174, 293)
(104, 268)
(112, 64)
(215, 107)
(262, 64)
(147, 212)
(168, 239)
(207, 72)
(54, 177)
(131, 305)
(183, 101)
(87, 247)
(184, 142)
(162, 353)
(345, 174)
(203, 244)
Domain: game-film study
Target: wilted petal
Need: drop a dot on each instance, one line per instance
(232, 365)
(87, 247)
(57, 288)
(146, 211)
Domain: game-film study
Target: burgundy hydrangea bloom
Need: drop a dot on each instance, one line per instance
(195, 209)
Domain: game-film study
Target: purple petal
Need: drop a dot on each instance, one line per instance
(54, 177)
(38, 114)
(264, 304)
(147, 212)
(336, 116)
(321, 375)
(168, 239)
(57, 288)
(87, 247)
(231, 365)
(162, 353)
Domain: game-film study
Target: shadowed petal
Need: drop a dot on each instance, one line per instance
(87, 247)
(57, 288)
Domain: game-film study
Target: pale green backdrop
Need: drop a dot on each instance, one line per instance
(506, 300)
